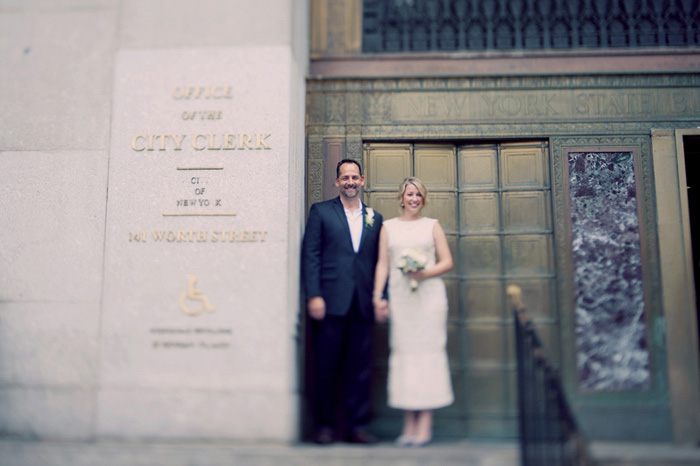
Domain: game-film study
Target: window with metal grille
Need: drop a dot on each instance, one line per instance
(391, 26)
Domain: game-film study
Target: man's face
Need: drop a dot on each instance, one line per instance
(350, 180)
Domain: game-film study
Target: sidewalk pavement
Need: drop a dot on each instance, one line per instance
(19, 452)
(644, 454)
(104, 453)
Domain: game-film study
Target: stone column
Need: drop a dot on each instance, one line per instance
(153, 209)
(679, 308)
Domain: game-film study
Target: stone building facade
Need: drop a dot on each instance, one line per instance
(552, 137)
(158, 157)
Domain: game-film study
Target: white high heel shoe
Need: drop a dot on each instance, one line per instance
(420, 443)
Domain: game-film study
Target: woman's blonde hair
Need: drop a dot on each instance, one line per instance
(418, 184)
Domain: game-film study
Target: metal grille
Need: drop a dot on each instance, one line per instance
(487, 25)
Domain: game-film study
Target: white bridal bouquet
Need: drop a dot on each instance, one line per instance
(412, 260)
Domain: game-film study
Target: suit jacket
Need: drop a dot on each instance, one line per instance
(330, 266)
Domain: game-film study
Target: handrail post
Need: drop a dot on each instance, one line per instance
(548, 430)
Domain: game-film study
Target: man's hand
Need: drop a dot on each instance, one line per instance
(317, 308)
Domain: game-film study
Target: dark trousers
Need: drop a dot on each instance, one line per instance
(342, 370)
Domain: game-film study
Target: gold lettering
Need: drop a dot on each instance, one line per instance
(245, 140)
(226, 141)
(211, 143)
(194, 142)
(260, 142)
(160, 142)
(133, 143)
(202, 92)
(137, 237)
(229, 141)
(178, 142)
(191, 236)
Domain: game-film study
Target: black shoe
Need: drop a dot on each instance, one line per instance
(362, 437)
(324, 436)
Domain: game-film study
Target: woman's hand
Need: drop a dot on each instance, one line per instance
(381, 309)
(417, 276)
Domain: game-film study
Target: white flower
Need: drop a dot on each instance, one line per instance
(412, 260)
(369, 217)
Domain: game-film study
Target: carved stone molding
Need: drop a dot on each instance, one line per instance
(315, 148)
(315, 181)
(334, 108)
(508, 82)
(458, 108)
(354, 148)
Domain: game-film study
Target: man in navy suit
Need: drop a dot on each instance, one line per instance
(339, 255)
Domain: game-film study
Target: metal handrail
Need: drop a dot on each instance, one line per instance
(549, 434)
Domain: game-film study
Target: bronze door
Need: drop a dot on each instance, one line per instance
(494, 202)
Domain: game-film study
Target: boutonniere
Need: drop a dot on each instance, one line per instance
(369, 217)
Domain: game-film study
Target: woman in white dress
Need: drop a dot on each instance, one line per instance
(419, 374)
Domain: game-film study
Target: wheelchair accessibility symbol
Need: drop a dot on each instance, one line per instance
(194, 294)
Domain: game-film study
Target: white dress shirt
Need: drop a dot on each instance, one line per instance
(355, 223)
